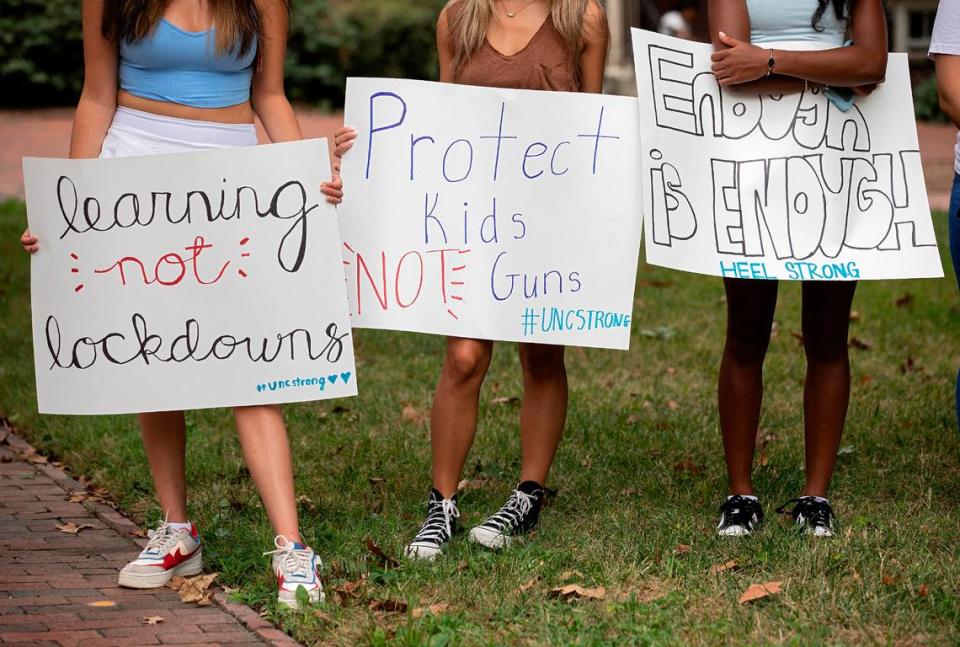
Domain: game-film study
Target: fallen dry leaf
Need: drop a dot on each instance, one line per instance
(904, 299)
(688, 465)
(102, 603)
(888, 580)
(529, 584)
(388, 606)
(139, 532)
(854, 315)
(860, 344)
(923, 591)
(433, 609)
(349, 591)
(759, 591)
(798, 337)
(377, 552)
(630, 491)
(672, 405)
(681, 549)
(726, 566)
(194, 589)
(412, 415)
(572, 591)
(71, 528)
(152, 620)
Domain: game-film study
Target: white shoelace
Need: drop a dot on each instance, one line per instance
(515, 509)
(439, 527)
(161, 538)
(294, 561)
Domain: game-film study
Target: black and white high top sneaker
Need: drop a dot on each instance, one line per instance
(812, 514)
(443, 520)
(518, 515)
(739, 516)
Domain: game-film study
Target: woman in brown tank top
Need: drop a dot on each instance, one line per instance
(534, 45)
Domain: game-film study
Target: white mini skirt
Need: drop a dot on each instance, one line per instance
(134, 133)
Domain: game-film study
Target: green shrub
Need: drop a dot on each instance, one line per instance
(41, 47)
(926, 104)
(41, 52)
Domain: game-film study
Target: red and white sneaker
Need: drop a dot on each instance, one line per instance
(170, 551)
(296, 566)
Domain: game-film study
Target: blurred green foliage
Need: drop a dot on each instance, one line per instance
(926, 104)
(41, 48)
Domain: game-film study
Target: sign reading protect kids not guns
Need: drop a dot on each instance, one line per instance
(778, 187)
(494, 214)
(187, 281)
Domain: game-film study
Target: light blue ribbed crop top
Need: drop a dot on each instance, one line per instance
(789, 20)
(178, 66)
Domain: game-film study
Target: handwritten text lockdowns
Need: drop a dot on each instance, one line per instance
(186, 281)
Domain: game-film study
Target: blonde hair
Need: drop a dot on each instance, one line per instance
(468, 26)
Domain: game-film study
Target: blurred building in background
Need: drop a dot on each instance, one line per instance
(910, 24)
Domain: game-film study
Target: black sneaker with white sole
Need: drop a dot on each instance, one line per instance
(812, 514)
(739, 516)
(518, 515)
(442, 522)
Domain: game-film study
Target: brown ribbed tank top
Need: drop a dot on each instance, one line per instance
(544, 64)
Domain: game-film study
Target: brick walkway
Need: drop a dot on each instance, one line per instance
(50, 581)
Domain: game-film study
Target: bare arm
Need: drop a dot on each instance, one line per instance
(948, 85)
(268, 96)
(593, 58)
(444, 46)
(737, 62)
(98, 100)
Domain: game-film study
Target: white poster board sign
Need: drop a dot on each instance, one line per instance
(187, 281)
(489, 213)
(786, 187)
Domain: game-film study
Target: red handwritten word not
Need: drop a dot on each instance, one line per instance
(172, 268)
(408, 275)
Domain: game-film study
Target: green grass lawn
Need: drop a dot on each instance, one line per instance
(639, 474)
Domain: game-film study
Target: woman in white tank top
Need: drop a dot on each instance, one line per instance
(814, 32)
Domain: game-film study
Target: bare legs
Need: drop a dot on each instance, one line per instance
(164, 437)
(826, 315)
(826, 393)
(454, 416)
(544, 409)
(266, 450)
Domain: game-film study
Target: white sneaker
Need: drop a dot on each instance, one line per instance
(296, 566)
(170, 551)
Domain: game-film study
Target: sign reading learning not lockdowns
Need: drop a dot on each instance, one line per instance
(489, 213)
(787, 186)
(187, 281)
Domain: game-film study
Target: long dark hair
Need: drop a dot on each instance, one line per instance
(841, 9)
(237, 21)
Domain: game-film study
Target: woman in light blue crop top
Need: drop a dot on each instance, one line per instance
(764, 46)
(167, 76)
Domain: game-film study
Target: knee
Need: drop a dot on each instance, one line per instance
(542, 362)
(466, 363)
(825, 346)
(747, 346)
